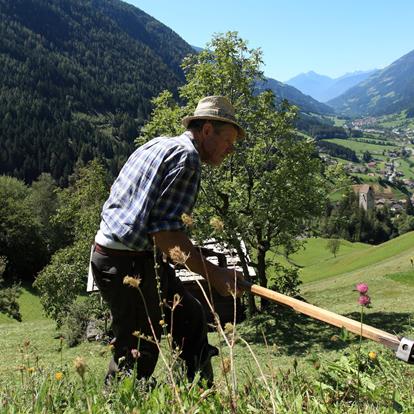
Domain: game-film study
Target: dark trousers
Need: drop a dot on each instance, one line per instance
(130, 313)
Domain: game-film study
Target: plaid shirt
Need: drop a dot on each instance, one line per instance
(157, 184)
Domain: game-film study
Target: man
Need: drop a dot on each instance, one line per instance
(142, 218)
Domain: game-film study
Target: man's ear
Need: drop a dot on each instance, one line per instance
(207, 129)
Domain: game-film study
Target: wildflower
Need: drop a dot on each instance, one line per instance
(226, 365)
(362, 288)
(364, 300)
(372, 356)
(58, 376)
(30, 370)
(132, 281)
(80, 366)
(228, 328)
(176, 299)
(178, 256)
(135, 353)
(217, 224)
(187, 220)
(162, 322)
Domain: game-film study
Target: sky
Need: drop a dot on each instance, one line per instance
(296, 36)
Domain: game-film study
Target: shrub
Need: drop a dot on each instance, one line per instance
(8, 296)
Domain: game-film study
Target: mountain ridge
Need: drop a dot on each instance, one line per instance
(390, 90)
(324, 88)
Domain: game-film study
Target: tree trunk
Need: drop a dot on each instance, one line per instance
(261, 269)
(251, 305)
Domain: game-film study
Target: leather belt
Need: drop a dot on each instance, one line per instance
(125, 253)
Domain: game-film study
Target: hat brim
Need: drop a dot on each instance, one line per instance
(186, 120)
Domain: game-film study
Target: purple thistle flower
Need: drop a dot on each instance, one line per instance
(362, 288)
(364, 300)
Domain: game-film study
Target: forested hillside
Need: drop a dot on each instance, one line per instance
(77, 79)
(391, 90)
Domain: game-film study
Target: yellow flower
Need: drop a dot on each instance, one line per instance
(187, 220)
(178, 256)
(217, 224)
(30, 370)
(372, 356)
(58, 376)
(132, 281)
(80, 366)
(228, 328)
(162, 322)
(226, 365)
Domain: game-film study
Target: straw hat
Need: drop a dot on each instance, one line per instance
(215, 108)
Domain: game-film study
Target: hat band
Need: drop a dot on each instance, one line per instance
(215, 112)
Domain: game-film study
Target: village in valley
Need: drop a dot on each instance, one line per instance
(384, 173)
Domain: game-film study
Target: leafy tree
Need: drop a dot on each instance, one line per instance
(44, 200)
(366, 156)
(8, 295)
(20, 234)
(64, 279)
(333, 246)
(268, 190)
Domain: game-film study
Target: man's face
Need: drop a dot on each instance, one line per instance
(215, 146)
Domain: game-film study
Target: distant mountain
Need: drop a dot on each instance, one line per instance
(387, 91)
(305, 103)
(323, 88)
(77, 77)
(311, 83)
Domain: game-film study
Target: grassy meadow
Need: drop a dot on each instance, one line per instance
(279, 361)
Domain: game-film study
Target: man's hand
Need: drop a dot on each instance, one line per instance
(223, 280)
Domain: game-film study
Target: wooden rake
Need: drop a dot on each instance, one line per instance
(403, 347)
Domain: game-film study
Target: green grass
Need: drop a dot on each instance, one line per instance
(284, 343)
(361, 147)
(30, 307)
(404, 167)
(406, 278)
(401, 248)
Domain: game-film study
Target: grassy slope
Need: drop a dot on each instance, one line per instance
(329, 283)
(397, 251)
(361, 147)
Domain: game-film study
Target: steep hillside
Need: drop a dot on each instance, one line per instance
(77, 79)
(305, 103)
(343, 83)
(388, 91)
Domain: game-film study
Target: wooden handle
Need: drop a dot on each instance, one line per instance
(377, 335)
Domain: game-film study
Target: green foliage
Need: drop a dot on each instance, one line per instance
(20, 233)
(333, 246)
(367, 157)
(8, 295)
(82, 311)
(76, 83)
(285, 279)
(267, 191)
(336, 150)
(64, 278)
(347, 220)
